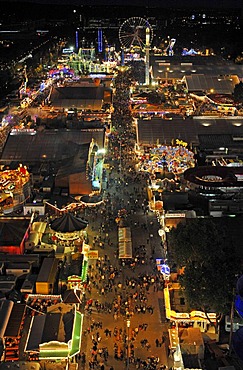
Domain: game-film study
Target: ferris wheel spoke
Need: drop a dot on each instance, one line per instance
(129, 35)
(141, 21)
(127, 41)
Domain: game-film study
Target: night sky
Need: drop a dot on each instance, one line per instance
(147, 3)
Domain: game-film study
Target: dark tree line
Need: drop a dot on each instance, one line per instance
(205, 249)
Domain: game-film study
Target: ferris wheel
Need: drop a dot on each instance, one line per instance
(135, 32)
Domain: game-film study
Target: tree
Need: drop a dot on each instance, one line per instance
(138, 71)
(154, 98)
(205, 249)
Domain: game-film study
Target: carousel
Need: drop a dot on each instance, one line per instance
(69, 228)
(69, 233)
(165, 166)
(14, 187)
(172, 159)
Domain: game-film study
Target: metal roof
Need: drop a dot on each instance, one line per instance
(78, 96)
(49, 145)
(48, 269)
(161, 131)
(75, 164)
(200, 82)
(180, 66)
(219, 141)
(15, 321)
(12, 232)
(6, 307)
(72, 296)
(38, 323)
(51, 327)
(78, 92)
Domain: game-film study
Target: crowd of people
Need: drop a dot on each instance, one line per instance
(120, 292)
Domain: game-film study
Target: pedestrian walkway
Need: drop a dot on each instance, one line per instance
(124, 317)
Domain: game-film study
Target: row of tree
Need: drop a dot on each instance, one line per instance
(207, 251)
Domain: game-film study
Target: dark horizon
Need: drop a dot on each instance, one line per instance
(218, 4)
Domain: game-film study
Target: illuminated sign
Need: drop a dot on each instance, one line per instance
(74, 279)
(165, 269)
(28, 131)
(164, 64)
(67, 51)
(181, 142)
(239, 177)
(93, 255)
(97, 75)
(175, 215)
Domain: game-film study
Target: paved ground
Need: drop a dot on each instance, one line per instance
(156, 322)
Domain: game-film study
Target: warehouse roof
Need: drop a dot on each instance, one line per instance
(201, 82)
(162, 131)
(79, 97)
(180, 66)
(49, 145)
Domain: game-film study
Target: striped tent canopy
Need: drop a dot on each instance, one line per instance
(68, 223)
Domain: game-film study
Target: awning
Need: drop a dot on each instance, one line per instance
(125, 242)
(125, 249)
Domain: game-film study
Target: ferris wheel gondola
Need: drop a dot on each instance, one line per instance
(133, 34)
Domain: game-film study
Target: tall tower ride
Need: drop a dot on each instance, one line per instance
(147, 48)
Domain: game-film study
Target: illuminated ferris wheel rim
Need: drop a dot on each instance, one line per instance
(132, 33)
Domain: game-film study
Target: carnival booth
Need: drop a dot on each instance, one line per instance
(11, 326)
(55, 335)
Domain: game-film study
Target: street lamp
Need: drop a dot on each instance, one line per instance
(166, 75)
(120, 154)
(128, 342)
